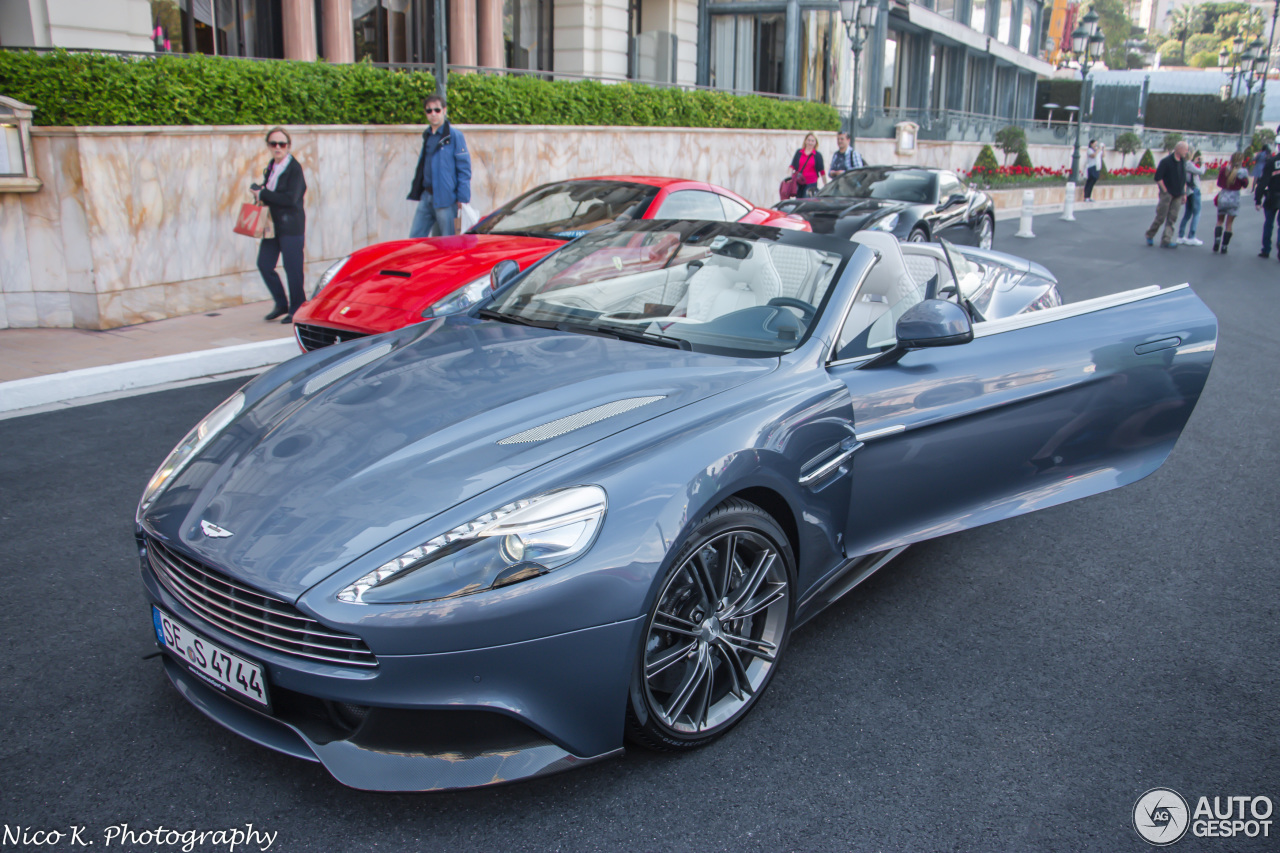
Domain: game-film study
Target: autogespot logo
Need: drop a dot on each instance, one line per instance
(1160, 816)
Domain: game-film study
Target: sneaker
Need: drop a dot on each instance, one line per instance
(1150, 242)
(1264, 254)
(1168, 245)
(1180, 240)
(1194, 241)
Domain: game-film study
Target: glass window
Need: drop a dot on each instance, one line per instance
(732, 210)
(890, 72)
(691, 204)
(885, 295)
(747, 52)
(817, 47)
(1005, 31)
(918, 186)
(1025, 42)
(948, 185)
(945, 8)
(570, 209)
(393, 30)
(526, 30)
(978, 15)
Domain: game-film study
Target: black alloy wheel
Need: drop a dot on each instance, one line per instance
(716, 630)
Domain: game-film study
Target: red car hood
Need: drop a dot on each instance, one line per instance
(407, 276)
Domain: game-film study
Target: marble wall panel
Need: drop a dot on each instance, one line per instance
(21, 310)
(42, 220)
(15, 267)
(4, 312)
(53, 310)
(84, 311)
(68, 183)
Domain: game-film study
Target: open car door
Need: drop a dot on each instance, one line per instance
(1032, 411)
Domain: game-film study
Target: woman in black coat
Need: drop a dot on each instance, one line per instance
(282, 189)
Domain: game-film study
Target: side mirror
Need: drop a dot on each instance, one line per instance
(931, 323)
(503, 272)
(954, 199)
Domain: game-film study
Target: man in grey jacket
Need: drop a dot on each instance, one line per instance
(442, 179)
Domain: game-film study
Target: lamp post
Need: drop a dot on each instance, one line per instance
(1087, 45)
(859, 17)
(1248, 62)
(1266, 64)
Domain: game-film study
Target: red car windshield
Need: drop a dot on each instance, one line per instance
(569, 209)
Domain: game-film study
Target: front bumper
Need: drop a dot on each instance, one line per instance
(434, 721)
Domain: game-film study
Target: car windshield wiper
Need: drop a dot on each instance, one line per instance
(546, 235)
(624, 333)
(490, 314)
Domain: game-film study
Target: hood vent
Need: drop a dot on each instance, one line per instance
(396, 273)
(341, 369)
(569, 423)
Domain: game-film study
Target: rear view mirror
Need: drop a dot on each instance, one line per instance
(503, 271)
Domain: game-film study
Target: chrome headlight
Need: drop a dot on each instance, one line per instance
(329, 275)
(521, 540)
(461, 299)
(196, 440)
(889, 223)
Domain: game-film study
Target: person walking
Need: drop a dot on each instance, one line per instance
(1266, 197)
(845, 157)
(807, 166)
(1171, 178)
(1093, 166)
(1231, 180)
(1195, 168)
(1257, 163)
(282, 189)
(442, 179)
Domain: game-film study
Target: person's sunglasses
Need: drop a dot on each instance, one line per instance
(435, 109)
(278, 144)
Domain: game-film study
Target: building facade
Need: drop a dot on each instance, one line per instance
(923, 57)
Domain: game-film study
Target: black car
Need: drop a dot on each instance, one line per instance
(914, 204)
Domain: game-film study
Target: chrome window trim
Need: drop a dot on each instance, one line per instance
(882, 432)
(848, 306)
(1071, 309)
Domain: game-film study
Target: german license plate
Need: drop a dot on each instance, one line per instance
(224, 670)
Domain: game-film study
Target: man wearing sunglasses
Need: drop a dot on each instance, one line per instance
(442, 180)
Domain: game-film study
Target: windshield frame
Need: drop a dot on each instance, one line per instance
(690, 232)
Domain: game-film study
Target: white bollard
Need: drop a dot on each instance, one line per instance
(1069, 203)
(1024, 224)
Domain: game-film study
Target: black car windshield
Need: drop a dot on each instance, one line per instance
(569, 209)
(919, 186)
(750, 291)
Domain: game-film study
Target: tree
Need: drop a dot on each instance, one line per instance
(1023, 159)
(1202, 43)
(1184, 22)
(1170, 139)
(1115, 25)
(1011, 140)
(986, 162)
(1148, 160)
(1171, 52)
(1127, 143)
(1204, 59)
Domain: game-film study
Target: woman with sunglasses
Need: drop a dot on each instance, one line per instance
(282, 189)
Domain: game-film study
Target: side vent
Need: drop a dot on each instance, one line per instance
(569, 423)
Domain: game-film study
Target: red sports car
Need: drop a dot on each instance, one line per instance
(390, 285)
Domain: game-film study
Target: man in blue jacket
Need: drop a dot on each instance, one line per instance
(442, 180)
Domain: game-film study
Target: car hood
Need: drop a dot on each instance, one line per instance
(822, 212)
(413, 274)
(309, 478)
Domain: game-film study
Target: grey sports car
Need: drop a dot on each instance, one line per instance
(594, 508)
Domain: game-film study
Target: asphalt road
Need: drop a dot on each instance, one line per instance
(1015, 687)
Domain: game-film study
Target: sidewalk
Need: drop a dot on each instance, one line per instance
(50, 368)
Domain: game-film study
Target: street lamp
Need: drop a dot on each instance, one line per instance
(859, 17)
(1087, 46)
(1251, 60)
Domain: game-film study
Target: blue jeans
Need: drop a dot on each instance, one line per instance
(1268, 220)
(431, 221)
(1191, 214)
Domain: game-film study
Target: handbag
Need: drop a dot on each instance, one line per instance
(255, 221)
(789, 188)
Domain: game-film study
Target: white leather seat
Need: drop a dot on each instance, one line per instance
(724, 285)
(888, 291)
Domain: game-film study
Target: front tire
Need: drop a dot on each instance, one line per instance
(918, 235)
(986, 231)
(716, 630)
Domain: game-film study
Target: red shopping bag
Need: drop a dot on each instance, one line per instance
(254, 221)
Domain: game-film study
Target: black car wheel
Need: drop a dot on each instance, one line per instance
(918, 235)
(986, 231)
(716, 630)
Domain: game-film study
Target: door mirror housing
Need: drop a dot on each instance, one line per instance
(503, 272)
(931, 323)
(954, 199)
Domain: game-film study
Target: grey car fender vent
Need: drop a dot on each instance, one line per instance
(569, 423)
(341, 369)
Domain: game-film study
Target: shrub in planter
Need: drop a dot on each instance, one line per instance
(1148, 160)
(1023, 159)
(986, 162)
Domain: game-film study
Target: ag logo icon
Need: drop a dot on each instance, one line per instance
(1160, 816)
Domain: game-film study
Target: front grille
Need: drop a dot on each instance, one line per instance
(251, 615)
(315, 337)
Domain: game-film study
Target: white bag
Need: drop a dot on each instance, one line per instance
(468, 215)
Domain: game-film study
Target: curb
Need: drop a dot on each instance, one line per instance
(147, 373)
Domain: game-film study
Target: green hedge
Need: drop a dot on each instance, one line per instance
(100, 89)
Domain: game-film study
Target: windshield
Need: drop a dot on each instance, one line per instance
(569, 209)
(978, 279)
(918, 186)
(709, 287)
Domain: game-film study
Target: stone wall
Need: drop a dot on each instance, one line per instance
(134, 224)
